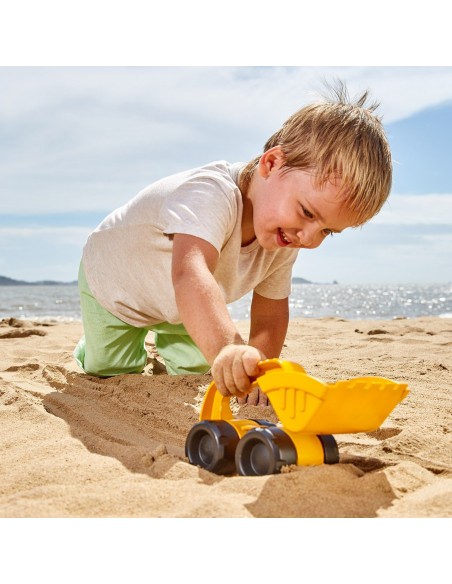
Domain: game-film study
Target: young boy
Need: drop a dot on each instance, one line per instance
(173, 257)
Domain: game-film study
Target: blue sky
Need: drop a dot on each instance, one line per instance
(77, 142)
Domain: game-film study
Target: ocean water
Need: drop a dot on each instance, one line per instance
(355, 302)
(40, 302)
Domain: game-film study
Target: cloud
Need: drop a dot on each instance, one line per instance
(89, 138)
(206, 91)
(413, 210)
(42, 253)
(11, 236)
(382, 253)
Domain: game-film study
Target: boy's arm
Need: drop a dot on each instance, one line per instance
(269, 322)
(205, 315)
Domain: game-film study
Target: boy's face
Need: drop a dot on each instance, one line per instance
(289, 210)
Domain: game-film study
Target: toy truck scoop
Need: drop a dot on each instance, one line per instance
(310, 412)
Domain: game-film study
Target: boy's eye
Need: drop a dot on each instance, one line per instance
(308, 214)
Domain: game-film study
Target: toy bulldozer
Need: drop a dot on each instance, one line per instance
(309, 410)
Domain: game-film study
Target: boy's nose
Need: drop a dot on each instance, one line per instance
(306, 237)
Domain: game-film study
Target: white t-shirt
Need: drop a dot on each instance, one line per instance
(127, 259)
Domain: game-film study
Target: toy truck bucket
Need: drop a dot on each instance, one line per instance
(308, 405)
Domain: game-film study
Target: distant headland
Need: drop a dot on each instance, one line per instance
(304, 281)
(4, 281)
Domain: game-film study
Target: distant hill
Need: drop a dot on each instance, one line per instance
(303, 281)
(4, 281)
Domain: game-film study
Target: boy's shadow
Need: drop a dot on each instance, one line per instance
(133, 418)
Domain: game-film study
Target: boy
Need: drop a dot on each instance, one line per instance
(173, 257)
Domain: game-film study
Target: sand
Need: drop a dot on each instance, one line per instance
(73, 445)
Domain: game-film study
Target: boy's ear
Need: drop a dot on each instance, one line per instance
(271, 160)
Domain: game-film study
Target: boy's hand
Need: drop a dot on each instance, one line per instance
(256, 398)
(234, 368)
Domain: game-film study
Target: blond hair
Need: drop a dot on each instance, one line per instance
(337, 138)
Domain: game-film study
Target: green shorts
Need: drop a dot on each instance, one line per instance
(113, 347)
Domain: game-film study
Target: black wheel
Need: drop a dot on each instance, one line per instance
(330, 449)
(211, 445)
(264, 451)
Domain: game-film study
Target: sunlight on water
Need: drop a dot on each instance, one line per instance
(307, 300)
(362, 302)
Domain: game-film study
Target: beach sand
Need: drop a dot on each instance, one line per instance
(72, 445)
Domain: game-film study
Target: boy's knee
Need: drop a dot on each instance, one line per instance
(109, 364)
(111, 369)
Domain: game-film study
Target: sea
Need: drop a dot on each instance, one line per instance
(352, 302)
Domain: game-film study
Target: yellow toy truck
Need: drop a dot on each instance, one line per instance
(309, 410)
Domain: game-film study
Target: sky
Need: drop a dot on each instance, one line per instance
(79, 140)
